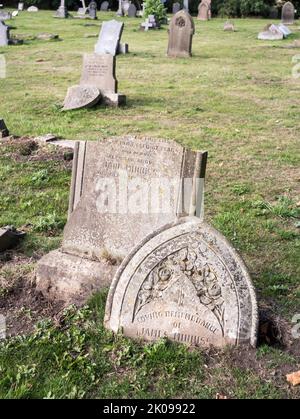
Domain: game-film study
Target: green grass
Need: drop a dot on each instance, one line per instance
(235, 98)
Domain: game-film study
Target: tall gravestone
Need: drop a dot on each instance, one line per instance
(93, 10)
(62, 11)
(204, 12)
(131, 11)
(181, 33)
(176, 8)
(122, 189)
(109, 37)
(184, 282)
(288, 13)
(4, 34)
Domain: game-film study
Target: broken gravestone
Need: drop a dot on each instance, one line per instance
(271, 33)
(109, 37)
(3, 128)
(186, 283)
(98, 82)
(122, 190)
(81, 97)
(181, 33)
(288, 13)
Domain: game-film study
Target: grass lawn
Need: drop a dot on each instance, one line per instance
(236, 98)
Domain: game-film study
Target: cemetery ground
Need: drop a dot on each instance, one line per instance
(236, 98)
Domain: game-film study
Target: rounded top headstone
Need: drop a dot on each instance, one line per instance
(184, 282)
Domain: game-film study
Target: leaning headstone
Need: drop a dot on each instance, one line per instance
(288, 13)
(4, 34)
(131, 12)
(176, 8)
(79, 97)
(3, 128)
(15, 13)
(186, 283)
(271, 33)
(204, 10)
(122, 190)
(284, 29)
(5, 15)
(93, 10)
(32, 9)
(229, 27)
(109, 37)
(181, 33)
(100, 71)
(62, 11)
(104, 6)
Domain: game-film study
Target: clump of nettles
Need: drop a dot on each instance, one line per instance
(156, 8)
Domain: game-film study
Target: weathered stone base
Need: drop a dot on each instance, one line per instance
(113, 99)
(70, 278)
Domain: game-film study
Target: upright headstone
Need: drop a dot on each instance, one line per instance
(20, 7)
(186, 5)
(288, 13)
(176, 8)
(109, 37)
(131, 12)
(120, 9)
(122, 190)
(4, 34)
(4, 15)
(186, 283)
(3, 128)
(204, 10)
(62, 11)
(181, 33)
(104, 6)
(93, 10)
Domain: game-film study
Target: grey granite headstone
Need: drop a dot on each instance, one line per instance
(186, 283)
(5, 15)
(81, 97)
(181, 31)
(176, 8)
(93, 10)
(109, 37)
(4, 34)
(62, 11)
(122, 189)
(288, 13)
(131, 12)
(3, 128)
(104, 6)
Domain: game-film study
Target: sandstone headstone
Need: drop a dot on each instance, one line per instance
(3, 128)
(228, 27)
(185, 283)
(32, 9)
(4, 34)
(288, 13)
(181, 33)
(109, 37)
(204, 10)
(122, 189)
(176, 8)
(81, 97)
(131, 12)
(93, 10)
(104, 6)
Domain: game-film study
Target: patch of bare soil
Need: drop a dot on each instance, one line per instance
(21, 304)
